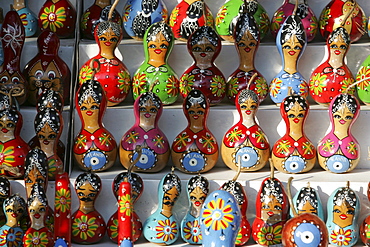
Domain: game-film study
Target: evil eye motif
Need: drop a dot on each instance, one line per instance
(147, 159)
(95, 159)
(247, 156)
(60, 243)
(294, 164)
(338, 163)
(307, 234)
(193, 162)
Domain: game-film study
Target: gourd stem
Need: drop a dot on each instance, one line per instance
(114, 5)
(238, 171)
(290, 197)
(295, 8)
(272, 169)
(251, 80)
(97, 69)
(354, 84)
(138, 150)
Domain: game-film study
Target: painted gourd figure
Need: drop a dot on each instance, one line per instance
(38, 235)
(4, 194)
(195, 149)
(304, 228)
(197, 188)
(294, 152)
(11, 234)
(94, 148)
(12, 38)
(88, 226)
(47, 70)
(58, 16)
(291, 42)
(204, 45)
(333, 76)
(1, 45)
(137, 187)
(188, 16)
(140, 14)
(230, 12)
(113, 75)
(339, 151)
(220, 219)
(48, 127)
(245, 144)
(364, 227)
(29, 19)
(146, 134)
(272, 209)
(96, 13)
(363, 87)
(338, 11)
(247, 40)
(162, 227)
(304, 12)
(343, 212)
(155, 74)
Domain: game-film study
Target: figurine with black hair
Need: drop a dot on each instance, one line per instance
(4, 194)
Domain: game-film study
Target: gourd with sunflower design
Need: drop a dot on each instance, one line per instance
(363, 87)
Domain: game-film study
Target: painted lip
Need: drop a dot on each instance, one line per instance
(248, 112)
(337, 52)
(37, 216)
(89, 113)
(14, 215)
(46, 142)
(342, 121)
(296, 120)
(270, 213)
(292, 53)
(107, 43)
(158, 51)
(4, 130)
(203, 54)
(195, 117)
(197, 203)
(247, 49)
(147, 115)
(343, 216)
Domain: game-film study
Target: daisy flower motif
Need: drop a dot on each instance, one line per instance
(232, 87)
(85, 74)
(36, 239)
(84, 227)
(53, 18)
(173, 17)
(217, 215)
(270, 235)
(138, 83)
(363, 73)
(125, 205)
(192, 232)
(317, 83)
(218, 85)
(166, 230)
(186, 83)
(124, 81)
(341, 237)
(114, 229)
(221, 16)
(172, 86)
(275, 87)
(63, 200)
(6, 155)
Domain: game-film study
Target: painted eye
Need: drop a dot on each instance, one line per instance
(338, 163)
(39, 73)
(51, 75)
(15, 80)
(294, 164)
(4, 79)
(307, 234)
(152, 46)
(241, 44)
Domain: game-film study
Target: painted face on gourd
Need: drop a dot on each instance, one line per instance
(148, 111)
(248, 107)
(203, 51)
(247, 44)
(36, 169)
(292, 48)
(296, 114)
(171, 190)
(9, 81)
(87, 187)
(196, 113)
(86, 193)
(198, 191)
(271, 203)
(14, 208)
(108, 38)
(8, 121)
(37, 209)
(158, 47)
(90, 103)
(343, 116)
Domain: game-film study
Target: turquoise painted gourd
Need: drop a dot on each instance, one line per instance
(307, 200)
(29, 19)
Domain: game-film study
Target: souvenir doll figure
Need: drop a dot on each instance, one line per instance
(88, 226)
(294, 152)
(339, 151)
(197, 188)
(38, 234)
(14, 208)
(140, 14)
(29, 19)
(230, 12)
(333, 76)
(364, 227)
(204, 46)
(47, 70)
(343, 213)
(162, 227)
(4, 194)
(113, 74)
(363, 87)
(247, 40)
(195, 149)
(146, 134)
(48, 127)
(291, 42)
(155, 74)
(137, 187)
(188, 16)
(94, 147)
(307, 200)
(245, 144)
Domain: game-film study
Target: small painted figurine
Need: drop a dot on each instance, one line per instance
(137, 187)
(247, 40)
(29, 19)
(12, 38)
(96, 13)
(58, 16)
(88, 226)
(294, 152)
(333, 76)
(343, 12)
(125, 206)
(162, 227)
(339, 151)
(48, 127)
(47, 70)
(155, 74)
(4, 194)
(198, 189)
(113, 74)
(94, 147)
(363, 87)
(245, 144)
(10, 233)
(38, 235)
(195, 149)
(365, 226)
(204, 45)
(291, 42)
(220, 219)
(140, 14)
(343, 213)
(188, 16)
(146, 134)
(230, 12)
(304, 12)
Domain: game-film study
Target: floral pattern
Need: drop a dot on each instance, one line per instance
(11, 237)
(53, 18)
(317, 83)
(275, 87)
(138, 83)
(234, 135)
(84, 227)
(13, 37)
(126, 12)
(270, 235)
(192, 231)
(124, 81)
(324, 17)
(264, 23)
(221, 15)
(114, 229)
(84, 20)
(277, 20)
(85, 74)
(6, 155)
(218, 85)
(217, 214)
(363, 73)
(63, 200)
(166, 230)
(24, 19)
(283, 147)
(172, 86)
(232, 88)
(36, 238)
(173, 17)
(345, 85)
(261, 86)
(341, 237)
(186, 83)
(125, 205)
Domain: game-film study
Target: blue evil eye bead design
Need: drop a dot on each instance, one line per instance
(338, 163)
(95, 159)
(307, 234)
(294, 164)
(147, 159)
(193, 161)
(247, 156)
(60, 243)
